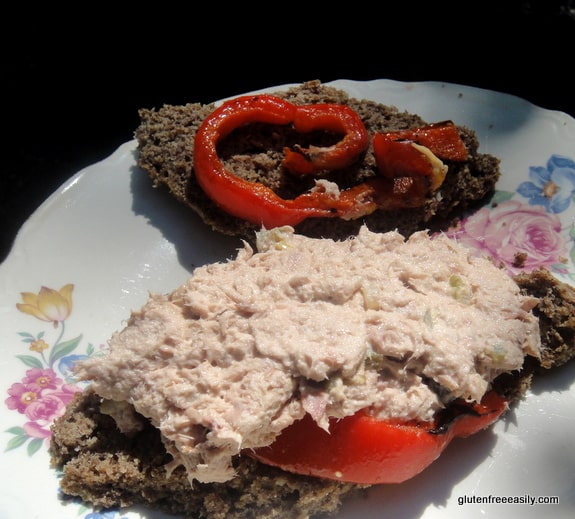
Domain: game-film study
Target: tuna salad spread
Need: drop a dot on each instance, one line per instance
(248, 346)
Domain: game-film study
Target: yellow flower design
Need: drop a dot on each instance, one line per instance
(53, 306)
(39, 346)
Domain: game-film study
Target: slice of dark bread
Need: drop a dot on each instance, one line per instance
(556, 313)
(103, 467)
(166, 144)
(108, 469)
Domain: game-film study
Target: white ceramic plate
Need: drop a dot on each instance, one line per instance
(114, 238)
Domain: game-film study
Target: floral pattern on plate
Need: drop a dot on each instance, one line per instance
(525, 235)
(47, 386)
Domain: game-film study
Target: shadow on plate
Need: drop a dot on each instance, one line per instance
(196, 244)
(556, 380)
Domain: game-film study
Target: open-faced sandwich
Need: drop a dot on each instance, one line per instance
(286, 159)
(333, 352)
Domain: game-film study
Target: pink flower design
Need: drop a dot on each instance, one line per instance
(44, 410)
(50, 404)
(21, 396)
(520, 237)
(35, 430)
(43, 393)
(42, 398)
(38, 379)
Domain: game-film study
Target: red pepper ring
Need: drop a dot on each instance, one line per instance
(332, 117)
(257, 203)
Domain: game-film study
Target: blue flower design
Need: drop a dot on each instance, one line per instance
(66, 365)
(553, 186)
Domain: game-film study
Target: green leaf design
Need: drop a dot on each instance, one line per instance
(16, 442)
(34, 446)
(15, 430)
(30, 361)
(501, 196)
(27, 337)
(63, 348)
(83, 508)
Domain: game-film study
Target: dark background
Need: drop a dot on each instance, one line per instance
(74, 81)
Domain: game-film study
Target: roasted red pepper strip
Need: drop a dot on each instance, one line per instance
(336, 118)
(409, 161)
(361, 449)
(257, 203)
(409, 173)
(442, 139)
(397, 159)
